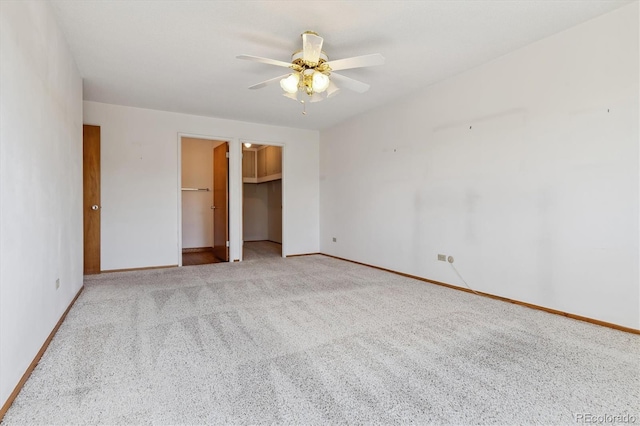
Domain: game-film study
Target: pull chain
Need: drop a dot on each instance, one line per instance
(304, 108)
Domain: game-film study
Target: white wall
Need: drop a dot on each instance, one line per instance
(140, 181)
(40, 183)
(255, 216)
(197, 172)
(524, 169)
(262, 211)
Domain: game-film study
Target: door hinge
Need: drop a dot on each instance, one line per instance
(227, 243)
(226, 154)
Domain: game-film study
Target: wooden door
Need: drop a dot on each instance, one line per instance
(91, 197)
(221, 202)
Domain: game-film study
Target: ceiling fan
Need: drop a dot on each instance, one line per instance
(312, 78)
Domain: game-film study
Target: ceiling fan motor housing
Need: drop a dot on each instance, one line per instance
(298, 59)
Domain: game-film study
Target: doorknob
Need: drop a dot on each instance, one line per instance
(94, 207)
(213, 207)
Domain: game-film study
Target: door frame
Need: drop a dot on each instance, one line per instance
(284, 191)
(231, 141)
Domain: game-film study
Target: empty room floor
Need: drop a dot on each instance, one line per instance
(316, 340)
(261, 250)
(253, 250)
(201, 257)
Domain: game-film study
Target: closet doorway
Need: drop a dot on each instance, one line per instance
(261, 201)
(205, 201)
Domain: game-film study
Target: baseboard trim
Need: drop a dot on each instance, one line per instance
(37, 358)
(308, 254)
(504, 299)
(108, 271)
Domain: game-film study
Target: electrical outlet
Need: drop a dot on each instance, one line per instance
(450, 259)
(442, 257)
(335, 239)
(57, 283)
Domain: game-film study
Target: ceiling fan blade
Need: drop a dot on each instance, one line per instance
(357, 62)
(317, 97)
(311, 47)
(332, 90)
(349, 83)
(265, 60)
(293, 96)
(267, 82)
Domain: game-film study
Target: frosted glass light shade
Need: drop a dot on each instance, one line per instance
(247, 145)
(290, 84)
(320, 82)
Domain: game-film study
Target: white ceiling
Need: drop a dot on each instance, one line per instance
(180, 55)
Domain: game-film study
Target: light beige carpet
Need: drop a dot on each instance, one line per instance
(261, 250)
(315, 340)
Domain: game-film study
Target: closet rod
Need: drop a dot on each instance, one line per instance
(196, 189)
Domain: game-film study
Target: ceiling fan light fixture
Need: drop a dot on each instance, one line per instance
(290, 84)
(320, 82)
(311, 75)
